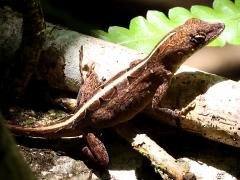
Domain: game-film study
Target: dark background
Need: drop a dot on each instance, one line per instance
(84, 16)
(105, 13)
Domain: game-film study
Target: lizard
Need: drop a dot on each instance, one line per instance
(127, 93)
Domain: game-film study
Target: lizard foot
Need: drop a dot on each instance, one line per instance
(95, 150)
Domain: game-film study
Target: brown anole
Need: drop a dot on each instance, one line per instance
(130, 91)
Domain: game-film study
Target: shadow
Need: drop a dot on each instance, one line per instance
(230, 71)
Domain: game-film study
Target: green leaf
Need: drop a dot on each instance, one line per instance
(174, 15)
(144, 33)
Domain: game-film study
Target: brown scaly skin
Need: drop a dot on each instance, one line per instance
(130, 91)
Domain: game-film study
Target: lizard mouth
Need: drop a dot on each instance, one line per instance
(217, 28)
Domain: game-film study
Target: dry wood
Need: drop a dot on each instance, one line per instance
(163, 163)
(212, 106)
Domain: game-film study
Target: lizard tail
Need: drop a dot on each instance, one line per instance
(58, 128)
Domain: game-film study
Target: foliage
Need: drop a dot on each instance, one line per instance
(144, 33)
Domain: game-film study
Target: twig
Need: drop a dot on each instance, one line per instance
(163, 163)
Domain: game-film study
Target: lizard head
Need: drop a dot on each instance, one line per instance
(187, 39)
(196, 33)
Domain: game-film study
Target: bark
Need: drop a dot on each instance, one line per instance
(163, 163)
(16, 77)
(215, 101)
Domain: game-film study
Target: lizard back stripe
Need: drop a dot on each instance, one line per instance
(99, 94)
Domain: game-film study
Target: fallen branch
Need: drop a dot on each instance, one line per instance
(216, 113)
(163, 163)
(25, 60)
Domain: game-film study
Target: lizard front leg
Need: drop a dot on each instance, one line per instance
(176, 114)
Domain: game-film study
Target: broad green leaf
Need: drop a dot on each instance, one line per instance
(144, 33)
(174, 15)
(237, 3)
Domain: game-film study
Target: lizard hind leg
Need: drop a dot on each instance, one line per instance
(95, 149)
(90, 84)
(88, 88)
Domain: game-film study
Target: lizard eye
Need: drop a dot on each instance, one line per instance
(198, 39)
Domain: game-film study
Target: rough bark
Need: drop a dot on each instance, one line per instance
(164, 164)
(215, 105)
(15, 78)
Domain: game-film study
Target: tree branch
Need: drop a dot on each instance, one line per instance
(17, 76)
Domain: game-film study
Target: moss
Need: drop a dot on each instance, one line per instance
(29, 117)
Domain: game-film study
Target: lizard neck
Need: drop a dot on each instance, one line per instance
(157, 54)
(167, 55)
